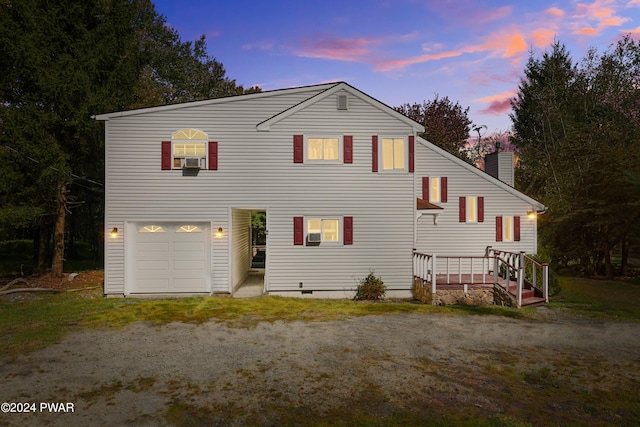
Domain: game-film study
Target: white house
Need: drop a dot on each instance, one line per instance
(346, 184)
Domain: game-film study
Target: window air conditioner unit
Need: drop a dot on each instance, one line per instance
(314, 237)
(192, 163)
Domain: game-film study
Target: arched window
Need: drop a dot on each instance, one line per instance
(189, 147)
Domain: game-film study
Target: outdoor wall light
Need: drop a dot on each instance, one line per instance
(114, 232)
(219, 232)
(531, 214)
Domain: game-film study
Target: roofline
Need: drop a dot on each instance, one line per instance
(265, 125)
(230, 98)
(539, 207)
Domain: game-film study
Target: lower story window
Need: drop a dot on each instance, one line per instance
(507, 229)
(326, 230)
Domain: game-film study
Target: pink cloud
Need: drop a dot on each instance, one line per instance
(602, 12)
(342, 49)
(542, 37)
(555, 12)
(501, 44)
(497, 107)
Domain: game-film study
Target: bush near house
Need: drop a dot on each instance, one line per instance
(371, 288)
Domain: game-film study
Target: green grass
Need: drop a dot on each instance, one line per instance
(36, 323)
(599, 299)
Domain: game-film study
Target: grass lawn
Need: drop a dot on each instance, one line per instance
(599, 298)
(40, 320)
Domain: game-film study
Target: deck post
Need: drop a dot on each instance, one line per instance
(545, 281)
(434, 273)
(521, 265)
(496, 269)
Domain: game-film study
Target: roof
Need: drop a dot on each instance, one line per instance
(326, 89)
(422, 204)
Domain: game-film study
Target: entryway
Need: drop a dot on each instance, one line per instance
(248, 251)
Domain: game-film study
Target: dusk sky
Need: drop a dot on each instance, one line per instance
(400, 51)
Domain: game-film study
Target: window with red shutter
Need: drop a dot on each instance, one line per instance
(463, 209)
(298, 230)
(348, 230)
(498, 229)
(347, 140)
(412, 149)
(213, 155)
(298, 148)
(374, 153)
(166, 155)
(425, 188)
(516, 228)
(480, 209)
(443, 189)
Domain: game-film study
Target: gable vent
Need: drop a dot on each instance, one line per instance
(342, 102)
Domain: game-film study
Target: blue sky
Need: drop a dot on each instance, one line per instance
(400, 51)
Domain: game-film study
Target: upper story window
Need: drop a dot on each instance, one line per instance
(434, 189)
(471, 209)
(323, 149)
(393, 153)
(189, 148)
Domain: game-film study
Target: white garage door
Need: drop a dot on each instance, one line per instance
(171, 258)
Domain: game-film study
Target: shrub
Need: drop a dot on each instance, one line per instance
(371, 288)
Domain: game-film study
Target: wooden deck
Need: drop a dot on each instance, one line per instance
(480, 281)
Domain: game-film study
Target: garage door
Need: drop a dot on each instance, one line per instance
(171, 258)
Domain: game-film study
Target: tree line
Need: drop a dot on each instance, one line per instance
(61, 63)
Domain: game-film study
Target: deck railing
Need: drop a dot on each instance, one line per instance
(515, 268)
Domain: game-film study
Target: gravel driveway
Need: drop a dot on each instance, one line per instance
(147, 375)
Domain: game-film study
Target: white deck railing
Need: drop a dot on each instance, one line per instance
(471, 270)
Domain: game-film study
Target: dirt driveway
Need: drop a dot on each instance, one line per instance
(393, 367)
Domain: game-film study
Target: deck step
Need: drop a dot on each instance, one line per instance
(533, 301)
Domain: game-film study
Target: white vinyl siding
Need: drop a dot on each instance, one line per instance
(256, 170)
(451, 237)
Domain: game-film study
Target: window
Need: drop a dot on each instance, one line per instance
(507, 229)
(189, 229)
(314, 231)
(393, 154)
(323, 149)
(326, 228)
(471, 209)
(151, 229)
(434, 189)
(189, 149)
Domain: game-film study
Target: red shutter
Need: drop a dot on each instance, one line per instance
(425, 188)
(374, 153)
(412, 149)
(298, 230)
(348, 230)
(480, 209)
(516, 228)
(166, 155)
(298, 149)
(348, 148)
(213, 155)
(443, 189)
(463, 209)
(498, 229)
